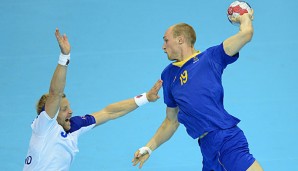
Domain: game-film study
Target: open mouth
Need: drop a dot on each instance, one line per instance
(67, 119)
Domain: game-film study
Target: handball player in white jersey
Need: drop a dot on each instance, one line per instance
(55, 132)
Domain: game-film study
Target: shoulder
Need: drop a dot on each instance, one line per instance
(218, 55)
(215, 48)
(167, 68)
(219, 50)
(43, 122)
(168, 74)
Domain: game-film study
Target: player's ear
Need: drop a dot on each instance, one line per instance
(180, 39)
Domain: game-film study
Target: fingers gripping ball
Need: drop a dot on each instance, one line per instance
(236, 9)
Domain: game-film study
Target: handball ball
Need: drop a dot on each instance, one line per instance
(237, 8)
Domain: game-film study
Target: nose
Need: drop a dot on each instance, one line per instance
(163, 47)
(70, 111)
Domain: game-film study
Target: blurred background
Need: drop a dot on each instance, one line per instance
(116, 54)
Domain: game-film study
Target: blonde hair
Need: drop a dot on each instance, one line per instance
(187, 31)
(42, 102)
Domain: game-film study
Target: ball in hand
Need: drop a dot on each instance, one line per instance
(236, 9)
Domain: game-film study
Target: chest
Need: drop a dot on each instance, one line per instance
(193, 75)
(59, 142)
(196, 79)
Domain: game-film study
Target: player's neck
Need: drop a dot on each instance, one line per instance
(186, 53)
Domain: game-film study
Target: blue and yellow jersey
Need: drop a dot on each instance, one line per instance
(195, 86)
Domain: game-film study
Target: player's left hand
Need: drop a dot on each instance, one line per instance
(152, 95)
(140, 158)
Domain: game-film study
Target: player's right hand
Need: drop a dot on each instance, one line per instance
(63, 42)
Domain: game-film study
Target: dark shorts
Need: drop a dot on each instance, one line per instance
(225, 150)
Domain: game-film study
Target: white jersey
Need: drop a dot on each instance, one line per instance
(51, 148)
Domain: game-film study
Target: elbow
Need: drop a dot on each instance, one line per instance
(56, 92)
(112, 112)
(176, 125)
(111, 115)
(114, 116)
(249, 34)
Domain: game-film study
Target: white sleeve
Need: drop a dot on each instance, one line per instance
(42, 123)
(86, 129)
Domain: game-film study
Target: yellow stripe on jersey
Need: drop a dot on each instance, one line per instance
(181, 63)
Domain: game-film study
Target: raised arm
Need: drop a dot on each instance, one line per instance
(163, 134)
(233, 44)
(121, 108)
(59, 77)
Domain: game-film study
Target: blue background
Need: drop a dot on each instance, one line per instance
(117, 54)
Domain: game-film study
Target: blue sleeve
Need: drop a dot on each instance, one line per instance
(219, 56)
(77, 122)
(167, 94)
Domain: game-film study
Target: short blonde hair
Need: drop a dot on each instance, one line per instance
(42, 102)
(187, 31)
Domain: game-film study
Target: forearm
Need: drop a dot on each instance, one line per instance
(58, 81)
(163, 134)
(114, 111)
(233, 44)
(56, 90)
(121, 108)
(246, 29)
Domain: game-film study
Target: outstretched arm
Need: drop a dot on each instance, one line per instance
(163, 134)
(121, 108)
(59, 77)
(233, 44)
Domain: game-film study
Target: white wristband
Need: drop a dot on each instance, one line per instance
(145, 150)
(64, 59)
(141, 99)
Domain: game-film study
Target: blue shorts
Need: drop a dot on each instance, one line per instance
(225, 150)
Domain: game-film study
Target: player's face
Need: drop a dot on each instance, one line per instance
(171, 46)
(64, 114)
